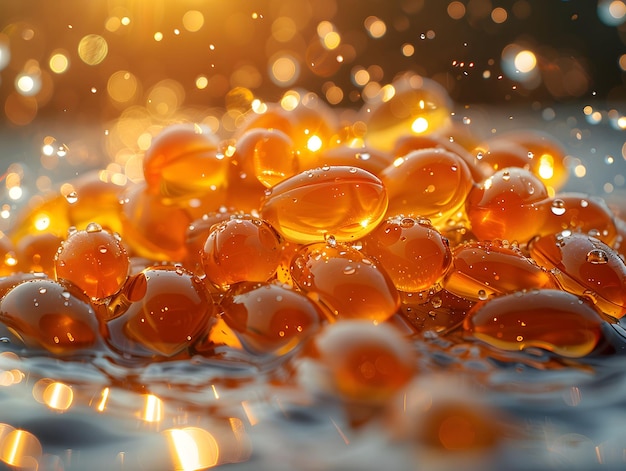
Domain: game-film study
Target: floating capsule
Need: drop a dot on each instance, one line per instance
(412, 105)
(585, 266)
(414, 254)
(481, 270)
(358, 361)
(183, 159)
(46, 314)
(346, 281)
(346, 202)
(553, 320)
(508, 205)
(270, 318)
(243, 248)
(94, 260)
(428, 183)
(161, 311)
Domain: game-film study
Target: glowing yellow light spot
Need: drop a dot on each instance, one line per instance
(525, 61)
(202, 82)
(617, 9)
(314, 143)
(290, 101)
(112, 24)
(331, 40)
(408, 50)
(93, 49)
(375, 27)
(20, 449)
(398, 161)
(158, 36)
(192, 448)
(284, 70)
(621, 122)
(16, 192)
(361, 77)
(193, 20)
(27, 84)
(125, 21)
(103, 400)
(59, 62)
(546, 166)
(420, 125)
(122, 86)
(42, 222)
(153, 408)
(58, 396)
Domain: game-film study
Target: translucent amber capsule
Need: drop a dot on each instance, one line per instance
(346, 281)
(346, 202)
(412, 105)
(429, 183)
(358, 361)
(481, 270)
(270, 318)
(268, 154)
(94, 260)
(153, 229)
(414, 254)
(367, 158)
(8, 256)
(47, 314)
(438, 312)
(553, 320)
(244, 248)
(197, 233)
(160, 311)
(508, 205)
(579, 213)
(183, 159)
(585, 266)
(36, 252)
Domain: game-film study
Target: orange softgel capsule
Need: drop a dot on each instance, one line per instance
(184, 159)
(585, 266)
(243, 248)
(94, 260)
(414, 254)
(358, 361)
(47, 314)
(430, 183)
(553, 320)
(160, 311)
(345, 280)
(481, 270)
(509, 205)
(270, 318)
(345, 202)
(36, 252)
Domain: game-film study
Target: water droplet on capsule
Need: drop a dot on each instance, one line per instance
(93, 227)
(482, 294)
(558, 207)
(597, 257)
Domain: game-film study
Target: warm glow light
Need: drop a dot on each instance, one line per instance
(202, 82)
(546, 166)
(103, 400)
(93, 49)
(153, 408)
(420, 125)
(21, 449)
(284, 70)
(525, 61)
(408, 50)
(192, 448)
(375, 27)
(122, 86)
(314, 143)
(28, 85)
(58, 396)
(193, 20)
(59, 62)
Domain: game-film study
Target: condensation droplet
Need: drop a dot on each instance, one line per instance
(93, 227)
(72, 197)
(558, 207)
(349, 270)
(482, 294)
(597, 257)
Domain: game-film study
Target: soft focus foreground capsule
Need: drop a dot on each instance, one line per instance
(345, 202)
(270, 318)
(553, 320)
(47, 314)
(160, 311)
(410, 105)
(585, 266)
(484, 269)
(94, 260)
(184, 159)
(346, 281)
(244, 248)
(414, 254)
(358, 361)
(429, 183)
(508, 205)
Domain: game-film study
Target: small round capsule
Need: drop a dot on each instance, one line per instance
(346, 281)
(414, 254)
(243, 248)
(585, 266)
(553, 320)
(94, 260)
(47, 314)
(345, 202)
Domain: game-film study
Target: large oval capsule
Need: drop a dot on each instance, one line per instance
(345, 202)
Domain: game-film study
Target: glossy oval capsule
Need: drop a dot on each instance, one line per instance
(358, 361)
(481, 270)
(94, 260)
(414, 254)
(585, 266)
(411, 105)
(552, 320)
(197, 233)
(36, 252)
(346, 281)
(428, 183)
(161, 311)
(367, 158)
(345, 202)
(508, 205)
(270, 318)
(184, 159)
(243, 248)
(47, 314)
